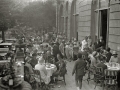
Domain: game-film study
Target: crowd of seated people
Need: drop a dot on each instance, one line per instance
(95, 54)
(99, 55)
(38, 55)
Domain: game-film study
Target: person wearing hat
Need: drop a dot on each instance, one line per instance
(79, 71)
(101, 42)
(102, 63)
(114, 57)
(84, 44)
(67, 50)
(34, 60)
(92, 62)
(41, 67)
(27, 63)
(93, 59)
(55, 51)
(61, 47)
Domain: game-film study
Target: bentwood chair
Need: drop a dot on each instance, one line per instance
(40, 85)
(90, 71)
(29, 77)
(111, 79)
(37, 75)
(26, 74)
(99, 76)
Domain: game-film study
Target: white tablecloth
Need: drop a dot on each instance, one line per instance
(51, 69)
(113, 66)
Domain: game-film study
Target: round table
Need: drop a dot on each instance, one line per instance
(113, 66)
(51, 69)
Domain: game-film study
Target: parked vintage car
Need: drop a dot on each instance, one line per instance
(6, 45)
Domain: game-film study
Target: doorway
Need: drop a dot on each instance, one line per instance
(104, 23)
(66, 31)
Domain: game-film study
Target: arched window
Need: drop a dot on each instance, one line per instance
(74, 20)
(61, 19)
(66, 20)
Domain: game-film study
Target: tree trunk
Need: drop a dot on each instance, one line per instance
(3, 35)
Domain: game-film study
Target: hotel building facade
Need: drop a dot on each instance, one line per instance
(95, 18)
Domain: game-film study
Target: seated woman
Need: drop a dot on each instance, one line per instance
(114, 57)
(41, 67)
(49, 58)
(101, 64)
(28, 71)
(27, 63)
(61, 67)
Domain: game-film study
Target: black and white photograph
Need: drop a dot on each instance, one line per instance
(59, 44)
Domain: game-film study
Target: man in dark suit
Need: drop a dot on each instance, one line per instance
(79, 70)
(34, 61)
(101, 42)
(108, 55)
(56, 51)
(96, 45)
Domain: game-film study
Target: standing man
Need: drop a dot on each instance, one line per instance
(79, 70)
(61, 48)
(55, 51)
(34, 61)
(84, 44)
(67, 50)
(101, 42)
(108, 55)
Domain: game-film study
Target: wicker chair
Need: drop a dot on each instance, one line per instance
(37, 76)
(40, 85)
(111, 79)
(99, 77)
(62, 73)
(90, 72)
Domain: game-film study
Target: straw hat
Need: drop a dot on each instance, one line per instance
(114, 53)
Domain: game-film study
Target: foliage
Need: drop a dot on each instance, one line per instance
(27, 18)
(40, 15)
(6, 19)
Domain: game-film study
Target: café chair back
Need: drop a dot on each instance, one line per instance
(99, 76)
(111, 78)
(26, 74)
(29, 77)
(37, 75)
(20, 54)
(91, 71)
(40, 83)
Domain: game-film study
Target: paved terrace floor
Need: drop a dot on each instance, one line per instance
(70, 82)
